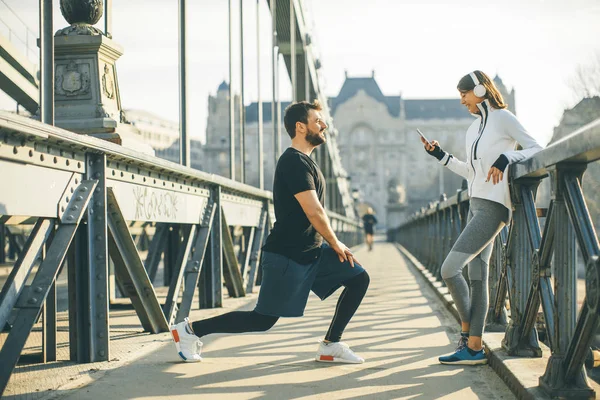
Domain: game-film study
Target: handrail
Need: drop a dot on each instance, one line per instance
(583, 145)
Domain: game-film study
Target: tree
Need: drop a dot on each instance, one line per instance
(585, 82)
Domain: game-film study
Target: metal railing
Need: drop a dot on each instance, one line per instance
(525, 256)
(84, 198)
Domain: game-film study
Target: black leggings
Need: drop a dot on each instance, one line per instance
(234, 322)
(354, 291)
(251, 321)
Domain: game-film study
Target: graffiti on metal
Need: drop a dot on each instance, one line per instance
(149, 204)
(144, 203)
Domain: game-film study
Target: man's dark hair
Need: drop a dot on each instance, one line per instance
(298, 112)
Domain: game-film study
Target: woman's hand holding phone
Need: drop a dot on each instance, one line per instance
(432, 147)
(429, 146)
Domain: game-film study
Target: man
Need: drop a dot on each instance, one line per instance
(294, 259)
(369, 221)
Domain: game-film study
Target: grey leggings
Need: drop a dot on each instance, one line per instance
(474, 247)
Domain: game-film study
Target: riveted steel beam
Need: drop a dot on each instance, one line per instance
(146, 203)
(242, 211)
(21, 189)
(88, 269)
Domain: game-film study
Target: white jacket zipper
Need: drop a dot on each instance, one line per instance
(474, 144)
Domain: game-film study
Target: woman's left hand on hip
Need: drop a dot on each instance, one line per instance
(495, 174)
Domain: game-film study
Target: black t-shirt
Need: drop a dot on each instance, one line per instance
(369, 220)
(292, 235)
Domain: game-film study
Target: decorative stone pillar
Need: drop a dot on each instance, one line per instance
(87, 98)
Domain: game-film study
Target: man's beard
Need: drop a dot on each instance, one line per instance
(315, 139)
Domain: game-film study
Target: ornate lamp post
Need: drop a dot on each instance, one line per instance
(87, 97)
(81, 15)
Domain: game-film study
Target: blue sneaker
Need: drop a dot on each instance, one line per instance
(462, 342)
(463, 357)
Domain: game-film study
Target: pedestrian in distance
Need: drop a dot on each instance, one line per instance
(294, 260)
(491, 141)
(369, 222)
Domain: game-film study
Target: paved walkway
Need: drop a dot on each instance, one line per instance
(401, 329)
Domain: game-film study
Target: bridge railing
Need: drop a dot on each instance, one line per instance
(88, 203)
(525, 257)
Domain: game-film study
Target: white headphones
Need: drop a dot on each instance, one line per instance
(479, 89)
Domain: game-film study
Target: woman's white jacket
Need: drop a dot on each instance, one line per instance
(494, 132)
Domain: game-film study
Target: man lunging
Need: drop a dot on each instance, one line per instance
(295, 260)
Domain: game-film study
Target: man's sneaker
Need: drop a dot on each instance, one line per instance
(464, 357)
(188, 345)
(337, 352)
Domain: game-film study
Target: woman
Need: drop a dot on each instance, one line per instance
(490, 143)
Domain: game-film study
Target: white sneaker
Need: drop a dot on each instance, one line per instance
(188, 345)
(337, 352)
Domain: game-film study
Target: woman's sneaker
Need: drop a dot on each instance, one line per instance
(188, 345)
(465, 356)
(462, 342)
(337, 352)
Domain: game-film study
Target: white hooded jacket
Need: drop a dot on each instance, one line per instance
(494, 132)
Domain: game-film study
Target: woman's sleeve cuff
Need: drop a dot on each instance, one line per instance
(501, 163)
(445, 160)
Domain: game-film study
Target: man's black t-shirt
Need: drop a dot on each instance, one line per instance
(292, 235)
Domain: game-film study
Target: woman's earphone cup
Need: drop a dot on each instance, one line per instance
(479, 90)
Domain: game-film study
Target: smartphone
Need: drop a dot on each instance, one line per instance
(423, 136)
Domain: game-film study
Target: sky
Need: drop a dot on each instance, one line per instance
(417, 48)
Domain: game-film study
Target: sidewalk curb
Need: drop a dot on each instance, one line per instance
(524, 383)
